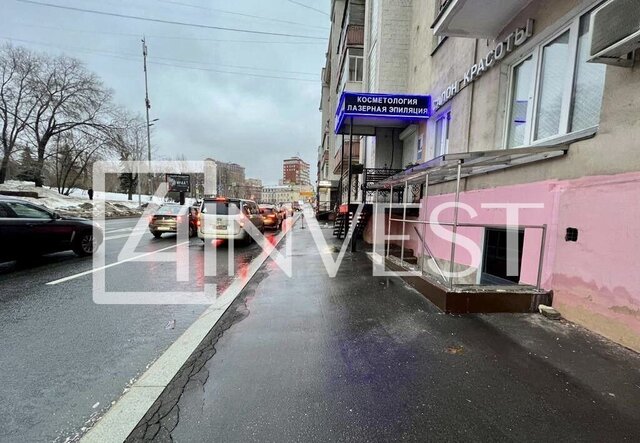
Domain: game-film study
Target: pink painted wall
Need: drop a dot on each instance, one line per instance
(543, 193)
(595, 280)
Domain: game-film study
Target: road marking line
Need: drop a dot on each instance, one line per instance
(117, 236)
(110, 265)
(118, 230)
(113, 237)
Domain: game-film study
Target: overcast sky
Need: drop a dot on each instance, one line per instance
(241, 115)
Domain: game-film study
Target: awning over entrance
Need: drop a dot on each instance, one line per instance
(445, 168)
(369, 111)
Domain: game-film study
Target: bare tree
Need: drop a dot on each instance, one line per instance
(18, 68)
(68, 97)
(126, 137)
(74, 153)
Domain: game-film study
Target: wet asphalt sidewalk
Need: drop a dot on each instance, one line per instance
(362, 358)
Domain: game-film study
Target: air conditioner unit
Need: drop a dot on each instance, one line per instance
(615, 32)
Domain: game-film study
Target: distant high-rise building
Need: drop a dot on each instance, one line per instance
(230, 179)
(295, 171)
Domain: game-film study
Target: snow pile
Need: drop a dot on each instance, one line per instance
(77, 204)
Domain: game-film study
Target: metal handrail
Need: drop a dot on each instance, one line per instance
(471, 225)
(425, 245)
(543, 227)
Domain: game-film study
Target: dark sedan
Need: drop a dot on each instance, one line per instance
(28, 230)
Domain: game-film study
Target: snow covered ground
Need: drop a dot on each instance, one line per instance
(78, 203)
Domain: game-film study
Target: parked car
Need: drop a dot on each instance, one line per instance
(169, 216)
(271, 216)
(29, 230)
(226, 219)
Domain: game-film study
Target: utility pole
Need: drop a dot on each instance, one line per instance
(138, 168)
(147, 103)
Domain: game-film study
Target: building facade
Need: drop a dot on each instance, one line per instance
(253, 189)
(555, 137)
(230, 179)
(343, 71)
(295, 171)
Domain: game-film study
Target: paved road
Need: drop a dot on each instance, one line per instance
(361, 358)
(61, 354)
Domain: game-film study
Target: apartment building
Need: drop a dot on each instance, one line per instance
(535, 111)
(230, 179)
(295, 171)
(343, 71)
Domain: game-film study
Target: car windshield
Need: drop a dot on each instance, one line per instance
(169, 210)
(266, 211)
(221, 208)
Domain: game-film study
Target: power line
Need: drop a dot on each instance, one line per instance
(308, 7)
(188, 61)
(240, 14)
(135, 58)
(236, 66)
(168, 22)
(236, 73)
(171, 37)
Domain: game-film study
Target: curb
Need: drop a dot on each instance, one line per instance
(122, 418)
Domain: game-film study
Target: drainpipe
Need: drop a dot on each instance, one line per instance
(472, 86)
(341, 187)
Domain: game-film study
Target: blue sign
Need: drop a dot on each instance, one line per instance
(386, 106)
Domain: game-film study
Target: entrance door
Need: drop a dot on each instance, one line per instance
(494, 262)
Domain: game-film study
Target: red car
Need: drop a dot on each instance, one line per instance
(271, 217)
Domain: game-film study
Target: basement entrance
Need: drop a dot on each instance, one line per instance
(495, 257)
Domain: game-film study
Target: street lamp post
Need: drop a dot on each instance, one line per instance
(139, 156)
(138, 172)
(147, 104)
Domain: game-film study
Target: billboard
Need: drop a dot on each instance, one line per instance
(178, 182)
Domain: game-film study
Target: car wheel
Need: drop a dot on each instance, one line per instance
(157, 234)
(192, 231)
(84, 244)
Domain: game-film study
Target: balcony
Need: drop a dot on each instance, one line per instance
(352, 35)
(476, 19)
(355, 156)
(352, 71)
(374, 176)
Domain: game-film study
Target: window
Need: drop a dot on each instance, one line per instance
(27, 211)
(521, 96)
(553, 73)
(220, 208)
(353, 68)
(554, 91)
(355, 65)
(442, 135)
(5, 212)
(588, 84)
(419, 150)
(169, 210)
